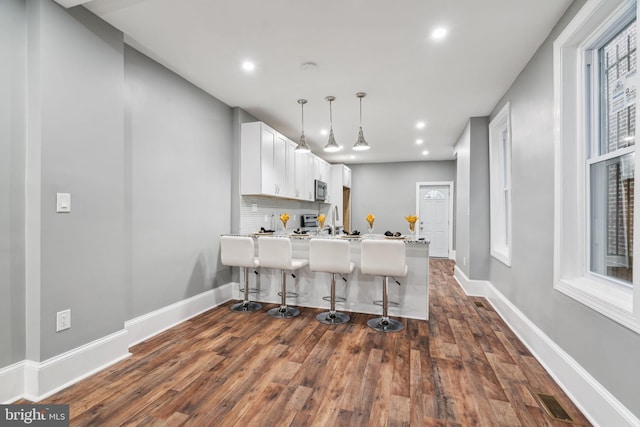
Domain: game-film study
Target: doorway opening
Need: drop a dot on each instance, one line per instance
(434, 207)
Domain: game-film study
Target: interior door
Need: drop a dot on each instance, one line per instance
(434, 218)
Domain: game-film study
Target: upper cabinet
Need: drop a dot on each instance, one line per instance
(267, 161)
(270, 166)
(346, 177)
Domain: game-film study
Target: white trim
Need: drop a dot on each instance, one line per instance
(593, 399)
(571, 274)
(499, 183)
(452, 254)
(38, 380)
(451, 197)
(12, 380)
(150, 324)
(72, 3)
(42, 379)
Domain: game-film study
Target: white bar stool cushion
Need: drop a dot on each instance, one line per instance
(276, 252)
(330, 256)
(238, 251)
(384, 258)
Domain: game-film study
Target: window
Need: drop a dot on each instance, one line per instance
(595, 64)
(500, 184)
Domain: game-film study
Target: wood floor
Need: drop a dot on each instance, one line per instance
(462, 368)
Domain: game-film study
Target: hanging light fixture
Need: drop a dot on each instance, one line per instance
(332, 146)
(302, 146)
(361, 143)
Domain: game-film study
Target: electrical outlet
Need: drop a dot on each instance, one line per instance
(63, 320)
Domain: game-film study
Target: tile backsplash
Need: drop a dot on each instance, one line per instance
(257, 211)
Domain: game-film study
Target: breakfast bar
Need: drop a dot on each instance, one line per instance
(358, 291)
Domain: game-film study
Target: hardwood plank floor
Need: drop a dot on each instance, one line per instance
(462, 368)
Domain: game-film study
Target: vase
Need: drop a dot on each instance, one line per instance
(370, 229)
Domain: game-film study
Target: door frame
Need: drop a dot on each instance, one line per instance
(450, 219)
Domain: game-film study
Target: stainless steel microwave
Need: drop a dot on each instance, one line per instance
(320, 190)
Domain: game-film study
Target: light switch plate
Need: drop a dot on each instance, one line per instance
(63, 320)
(63, 202)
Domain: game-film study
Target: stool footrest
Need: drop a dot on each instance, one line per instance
(391, 303)
(338, 299)
(289, 294)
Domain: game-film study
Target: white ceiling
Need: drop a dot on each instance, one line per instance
(380, 47)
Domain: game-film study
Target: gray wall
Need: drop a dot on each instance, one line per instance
(179, 149)
(76, 68)
(388, 190)
(472, 158)
(13, 43)
(607, 350)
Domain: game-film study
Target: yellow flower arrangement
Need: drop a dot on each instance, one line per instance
(284, 218)
(370, 219)
(321, 219)
(412, 221)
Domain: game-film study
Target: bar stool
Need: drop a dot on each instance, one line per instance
(384, 258)
(237, 251)
(330, 256)
(276, 252)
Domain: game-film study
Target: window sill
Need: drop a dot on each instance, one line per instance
(502, 254)
(607, 298)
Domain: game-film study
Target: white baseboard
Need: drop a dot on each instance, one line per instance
(593, 399)
(37, 380)
(12, 380)
(150, 324)
(42, 379)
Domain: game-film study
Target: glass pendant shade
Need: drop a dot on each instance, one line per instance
(332, 146)
(361, 144)
(302, 146)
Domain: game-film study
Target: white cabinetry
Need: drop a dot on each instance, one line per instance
(303, 173)
(267, 161)
(346, 177)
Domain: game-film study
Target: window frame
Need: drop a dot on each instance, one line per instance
(500, 185)
(596, 22)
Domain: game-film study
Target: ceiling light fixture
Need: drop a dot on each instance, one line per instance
(425, 152)
(439, 33)
(302, 146)
(248, 66)
(420, 125)
(332, 146)
(361, 143)
(419, 141)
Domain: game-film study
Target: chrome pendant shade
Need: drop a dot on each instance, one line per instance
(332, 146)
(302, 146)
(361, 144)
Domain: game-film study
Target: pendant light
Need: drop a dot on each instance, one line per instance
(332, 146)
(361, 143)
(302, 146)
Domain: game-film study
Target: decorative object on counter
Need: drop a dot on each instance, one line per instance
(302, 146)
(332, 146)
(321, 219)
(412, 223)
(265, 231)
(370, 220)
(299, 232)
(393, 235)
(355, 234)
(284, 218)
(361, 144)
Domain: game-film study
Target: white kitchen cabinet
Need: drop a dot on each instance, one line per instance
(346, 176)
(267, 161)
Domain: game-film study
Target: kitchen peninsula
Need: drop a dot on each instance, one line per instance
(359, 290)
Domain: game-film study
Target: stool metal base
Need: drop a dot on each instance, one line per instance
(335, 318)
(246, 306)
(385, 325)
(283, 312)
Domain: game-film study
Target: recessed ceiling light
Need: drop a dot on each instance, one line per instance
(439, 33)
(324, 132)
(419, 141)
(248, 66)
(353, 156)
(425, 152)
(420, 125)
